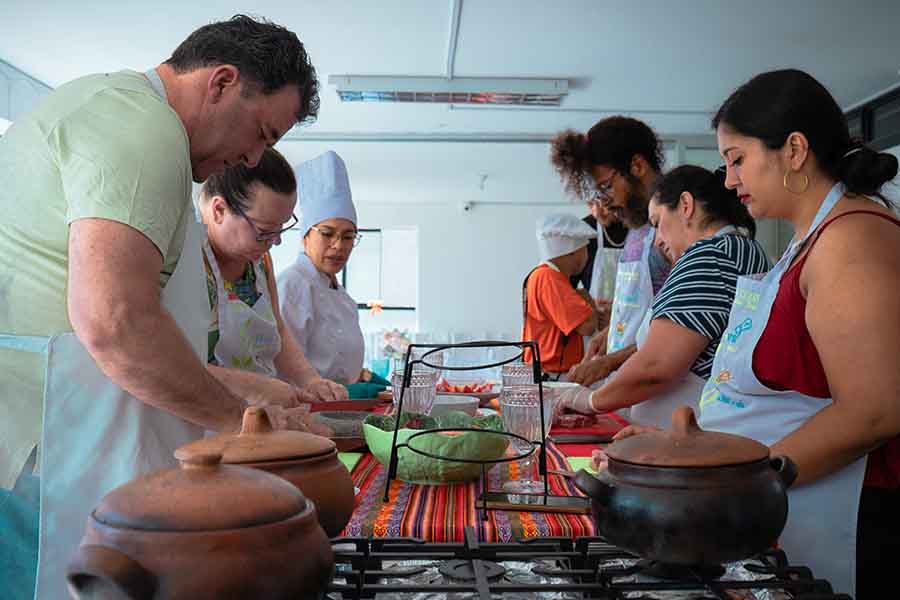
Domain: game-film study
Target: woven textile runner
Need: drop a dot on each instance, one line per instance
(439, 513)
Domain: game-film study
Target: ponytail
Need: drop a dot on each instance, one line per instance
(718, 204)
(568, 152)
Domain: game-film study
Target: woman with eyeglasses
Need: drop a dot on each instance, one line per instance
(317, 309)
(246, 209)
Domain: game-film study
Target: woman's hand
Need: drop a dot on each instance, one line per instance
(630, 430)
(599, 460)
(323, 390)
(577, 399)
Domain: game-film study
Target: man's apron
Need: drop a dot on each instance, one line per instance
(631, 302)
(821, 526)
(96, 436)
(605, 268)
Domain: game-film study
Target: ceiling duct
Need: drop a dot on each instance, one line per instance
(458, 90)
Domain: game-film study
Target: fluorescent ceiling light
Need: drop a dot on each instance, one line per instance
(459, 90)
(4, 125)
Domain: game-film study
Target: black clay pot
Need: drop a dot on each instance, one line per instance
(654, 502)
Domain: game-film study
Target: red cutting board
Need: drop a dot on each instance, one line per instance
(606, 426)
(343, 405)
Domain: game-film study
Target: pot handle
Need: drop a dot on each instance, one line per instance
(785, 468)
(594, 487)
(102, 572)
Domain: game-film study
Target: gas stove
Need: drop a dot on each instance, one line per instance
(553, 568)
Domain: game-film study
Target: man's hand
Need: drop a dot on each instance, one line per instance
(298, 418)
(587, 297)
(596, 346)
(590, 371)
(274, 392)
(604, 312)
(323, 390)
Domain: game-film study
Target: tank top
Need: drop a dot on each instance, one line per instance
(786, 358)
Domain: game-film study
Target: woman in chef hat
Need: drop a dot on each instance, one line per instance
(317, 310)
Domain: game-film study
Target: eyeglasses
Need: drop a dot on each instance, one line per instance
(332, 236)
(596, 193)
(262, 235)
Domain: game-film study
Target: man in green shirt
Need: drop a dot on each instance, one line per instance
(96, 203)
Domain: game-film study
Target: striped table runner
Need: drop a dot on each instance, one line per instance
(439, 513)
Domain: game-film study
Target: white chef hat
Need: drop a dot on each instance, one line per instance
(324, 191)
(561, 233)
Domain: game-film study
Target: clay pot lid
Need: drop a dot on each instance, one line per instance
(686, 445)
(259, 442)
(202, 495)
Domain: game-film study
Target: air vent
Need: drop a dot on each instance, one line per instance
(462, 90)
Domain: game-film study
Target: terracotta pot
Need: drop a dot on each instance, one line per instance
(203, 531)
(690, 497)
(308, 461)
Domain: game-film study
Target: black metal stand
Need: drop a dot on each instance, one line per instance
(540, 445)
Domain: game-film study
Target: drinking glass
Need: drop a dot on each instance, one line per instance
(517, 373)
(419, 396)
(436, 359)
(521, 411)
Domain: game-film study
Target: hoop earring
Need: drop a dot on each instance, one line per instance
(788, 187)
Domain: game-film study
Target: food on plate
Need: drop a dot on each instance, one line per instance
(464, 388)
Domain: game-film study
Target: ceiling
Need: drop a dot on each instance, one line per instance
(669, 63)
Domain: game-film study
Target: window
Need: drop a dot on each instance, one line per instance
(382, 275)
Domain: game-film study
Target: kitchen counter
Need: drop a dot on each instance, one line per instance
(440, 513)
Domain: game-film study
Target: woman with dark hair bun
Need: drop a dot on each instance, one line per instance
(809, 361)
(708, 234)
(245, 210)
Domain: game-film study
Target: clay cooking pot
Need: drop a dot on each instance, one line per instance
(205, 530)
(688, 496)
(308, 461)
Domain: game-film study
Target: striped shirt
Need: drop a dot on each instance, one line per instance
(700, 289)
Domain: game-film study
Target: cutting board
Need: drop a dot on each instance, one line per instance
(366, 404)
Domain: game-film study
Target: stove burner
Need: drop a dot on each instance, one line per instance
(671, 572)
(461, 570)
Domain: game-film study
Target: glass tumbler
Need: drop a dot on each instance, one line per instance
(520, 408)
(436, 359)
(419, 396)
(517, 373)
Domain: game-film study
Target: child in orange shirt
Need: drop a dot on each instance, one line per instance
(555, 315)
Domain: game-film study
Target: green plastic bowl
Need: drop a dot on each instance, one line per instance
(417, 468)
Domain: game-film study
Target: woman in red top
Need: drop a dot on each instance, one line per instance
(834, 326)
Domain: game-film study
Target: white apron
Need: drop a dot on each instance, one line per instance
(605, 268)
(821, 527)
(96, 436)
(657, 411)
(632, 300)
(633, 297)
(248, 335)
